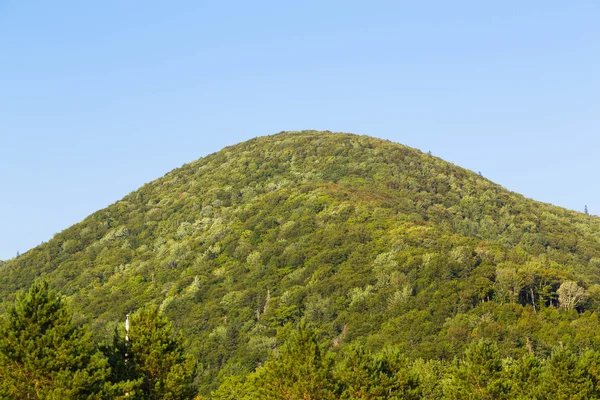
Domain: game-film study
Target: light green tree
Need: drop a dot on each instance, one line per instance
(570, 295)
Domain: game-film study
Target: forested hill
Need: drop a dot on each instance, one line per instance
(367, 240)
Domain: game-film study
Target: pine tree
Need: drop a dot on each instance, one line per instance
(385, 375)
(301, 370)
(565, 377)
(125, 383)
(523, 376)
(44, 355)
(156, 366)
(479, 375)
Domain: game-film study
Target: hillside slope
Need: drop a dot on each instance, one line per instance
(369, 240)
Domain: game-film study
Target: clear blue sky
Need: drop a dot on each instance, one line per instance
(97, 98)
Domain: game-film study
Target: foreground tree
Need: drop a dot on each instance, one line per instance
(479, 376)
(302, 370)
(153, 361)
(388, 375)
(566, 377)
(44, 355)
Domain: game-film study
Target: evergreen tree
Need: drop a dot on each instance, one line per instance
(156, 366)
(384, 375)
(233, 388)
(44, 355)
(125, 383)
(301, 370)
(523, 376)
(428, 375)
(358, 373)
(479, 375)
(565, 377)
(590, 361)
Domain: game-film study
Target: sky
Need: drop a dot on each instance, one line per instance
(98, 98)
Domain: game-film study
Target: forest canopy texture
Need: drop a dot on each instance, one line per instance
(364, 260)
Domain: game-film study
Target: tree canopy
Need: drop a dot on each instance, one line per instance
(370, 242)
(44, 355)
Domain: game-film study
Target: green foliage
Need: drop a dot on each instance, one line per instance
(298, 372)
(153, 360)
(372, 242)
(363, 375)
(479, 375)
(564, 377)
(301, 370)
(44, 355)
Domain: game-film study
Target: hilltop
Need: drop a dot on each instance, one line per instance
(370, 241)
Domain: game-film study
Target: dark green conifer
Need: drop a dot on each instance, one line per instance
(156, 366)
(125, 383)
(565, 377)
(479, 375)
(44, 355)
(301, 370)
(371, 376)
(523, 376)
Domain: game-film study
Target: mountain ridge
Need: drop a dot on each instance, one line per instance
(371, 241)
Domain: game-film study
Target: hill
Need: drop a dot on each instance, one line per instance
(370, 241)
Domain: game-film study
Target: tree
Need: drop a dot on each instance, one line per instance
(524, 376)
(479, 375)
(384, 375)
(44, 355)
(233, 388)
(301, 370)
(156, 363)
(570, 295)
(565, 377)
(509, 283)
(125, 382)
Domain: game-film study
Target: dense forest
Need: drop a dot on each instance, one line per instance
(325, 265)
